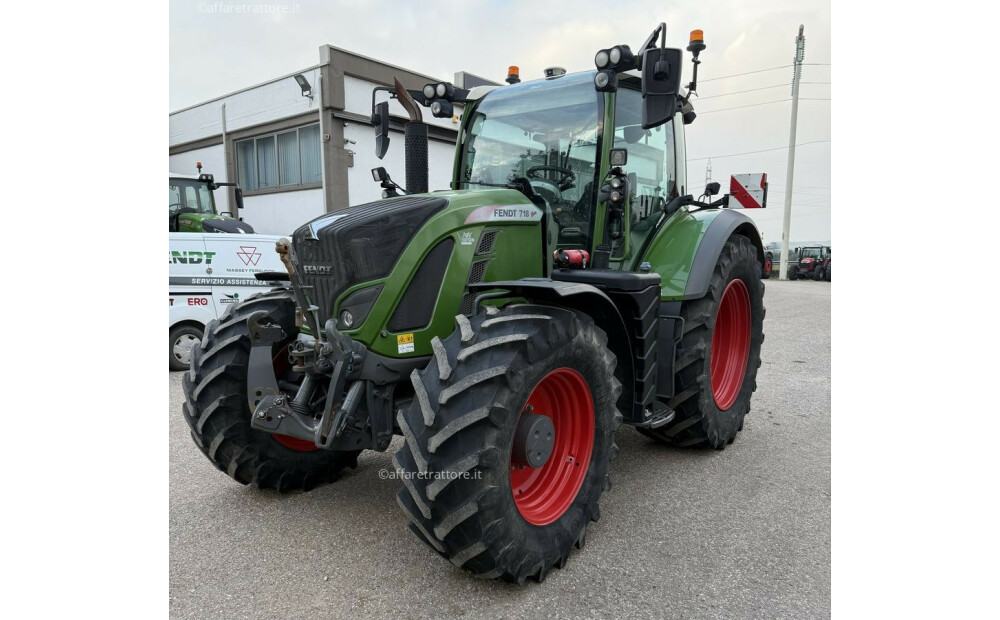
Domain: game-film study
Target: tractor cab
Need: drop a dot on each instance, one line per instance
(192, 206)
(554, 139)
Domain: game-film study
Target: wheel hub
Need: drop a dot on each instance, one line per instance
(563, 446)
(182, 348)
(534, 440)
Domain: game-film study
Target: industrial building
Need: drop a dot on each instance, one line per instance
(293, 163)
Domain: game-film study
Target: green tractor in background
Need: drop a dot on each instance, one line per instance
(567, 283)
(192, 206)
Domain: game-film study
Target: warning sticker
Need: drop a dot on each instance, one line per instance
(404, 343)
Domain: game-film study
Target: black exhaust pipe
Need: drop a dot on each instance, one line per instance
(415, 138)
(416, 158)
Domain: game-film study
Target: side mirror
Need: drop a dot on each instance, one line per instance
(380, 119)
(239, 198)
(712, 188)
(661, 82)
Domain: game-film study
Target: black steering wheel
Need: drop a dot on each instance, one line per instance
(563, 183)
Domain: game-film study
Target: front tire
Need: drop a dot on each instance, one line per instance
(463, 490)
(793, 272)
(719, 353)
(218, 412)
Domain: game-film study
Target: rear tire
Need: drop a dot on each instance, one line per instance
(218, 412)
(467, 406)
(711, 403)
(183, 339)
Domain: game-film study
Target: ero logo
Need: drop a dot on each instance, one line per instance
(191, 258)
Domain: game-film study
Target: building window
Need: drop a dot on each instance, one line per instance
(283, 159)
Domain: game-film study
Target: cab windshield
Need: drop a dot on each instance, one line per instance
(190, 196)
(546, 132)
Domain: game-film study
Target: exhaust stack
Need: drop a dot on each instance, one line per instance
(415, 138)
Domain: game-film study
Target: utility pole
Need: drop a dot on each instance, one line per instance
(800, 54)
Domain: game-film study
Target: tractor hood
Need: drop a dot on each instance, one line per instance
(358, 244)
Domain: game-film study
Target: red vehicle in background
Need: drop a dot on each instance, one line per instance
(813, 263)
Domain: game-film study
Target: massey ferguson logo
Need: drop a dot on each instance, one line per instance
(249, 255)
(317, 270)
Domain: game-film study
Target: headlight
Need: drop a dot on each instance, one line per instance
(429, 91)
(441, 90)
(601, 60)
(347, 319)
(615, 55)
(601, 79)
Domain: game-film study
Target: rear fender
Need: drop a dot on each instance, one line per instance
(725, 225)
(687, 246)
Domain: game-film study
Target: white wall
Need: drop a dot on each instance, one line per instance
(211, 159)
(260, 104)
(281, 213)
(360, 185)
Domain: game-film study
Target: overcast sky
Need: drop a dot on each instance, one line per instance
(219, 47)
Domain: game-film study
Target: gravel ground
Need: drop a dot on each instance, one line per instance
(744, 532)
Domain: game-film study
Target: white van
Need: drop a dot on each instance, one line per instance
(208, 273)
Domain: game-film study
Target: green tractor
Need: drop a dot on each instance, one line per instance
(192, 206)
(567, 283)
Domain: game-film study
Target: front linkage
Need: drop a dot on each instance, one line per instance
(336, 360)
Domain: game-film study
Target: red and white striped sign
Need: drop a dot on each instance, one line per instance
(749, 190)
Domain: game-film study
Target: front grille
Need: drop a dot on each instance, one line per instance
(486, 242)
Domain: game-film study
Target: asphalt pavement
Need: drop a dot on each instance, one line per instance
(739, 533)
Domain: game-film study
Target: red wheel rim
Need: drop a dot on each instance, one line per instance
(542, 495)
(730, 344)
(767, 265)
(280, 364)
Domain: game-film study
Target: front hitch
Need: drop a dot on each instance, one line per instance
(278, 413)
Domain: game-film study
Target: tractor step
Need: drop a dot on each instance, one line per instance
(662, 415)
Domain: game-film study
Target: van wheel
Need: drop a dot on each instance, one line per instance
(183, 338)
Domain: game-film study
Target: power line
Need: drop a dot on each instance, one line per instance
(778, 148)
(751, 90)
(723, 77)
(745, 106)
(744, 91)
(813, 99)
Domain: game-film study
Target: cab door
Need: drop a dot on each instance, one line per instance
(651, 170)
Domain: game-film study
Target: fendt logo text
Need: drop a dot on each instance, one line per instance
(317, 270)
(191, 258)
